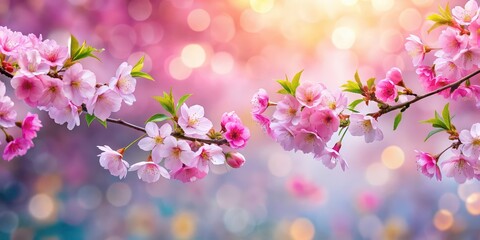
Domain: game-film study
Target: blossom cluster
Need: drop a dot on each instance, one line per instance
(185, 157)
(304, 120)
(457, 53)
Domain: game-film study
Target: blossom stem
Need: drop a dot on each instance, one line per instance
(407, 104)
(134, 141)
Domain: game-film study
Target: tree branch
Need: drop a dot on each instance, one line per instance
(418, 98)
(6, 73)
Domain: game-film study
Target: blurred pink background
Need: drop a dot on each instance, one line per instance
(222, 52)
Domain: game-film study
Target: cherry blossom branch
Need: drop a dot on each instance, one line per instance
(5, 72)
(407, 104)
(177, 135)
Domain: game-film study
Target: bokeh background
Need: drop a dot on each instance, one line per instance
(222, 52)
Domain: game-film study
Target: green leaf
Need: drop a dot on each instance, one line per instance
(446, 116)
(89, 118)
(141, 75)
(444, 17)
(73, 45)
(355, 103)
(158, 118)
(167, 102)
(351, 86)
(286, 85)
(296, 82)
(370, 82)
(104, 123)
(182, 100)
(282, 91)
(433, 132)
(139, 65)
(357, 79)
(397, 121)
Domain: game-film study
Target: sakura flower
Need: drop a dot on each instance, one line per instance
(30, 126)
(28, 89)
(31, 63)
(428, 165)
(474, 29)
(68, 113)
(236, 134)
(123, 83)
(229, 117)
(447, 68)
(52, 53)
(395, 75)
(460, 167)
(427, 77)
(324, 122)
(52, 95)
(366, 126)
(192, 120)
(307, 142)
(10, 42)
(113, 161)
(7, 112)
(451, 42)
(467, 14)
(331, 156)
(188, 174)
(104, 102)
(386, 91)
(16, 147)
(309, 93)
(471, 141)
(79, 84)
(283, 135)
(260, 101)
(416, 49)
(206, 154)
(264, 122)
(288, 110)
(336, 102)
(467, 58)
(149, 171)
(235, 159)
(176, 153)
(155, 139)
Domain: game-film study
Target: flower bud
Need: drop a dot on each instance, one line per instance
(395, 75)
(235, 159)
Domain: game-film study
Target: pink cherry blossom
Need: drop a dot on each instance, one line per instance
(336, 102)
(16, 147)
(467, 58)
(206, 154)
(427, 77)
(52, 95)
(52, 53)
(31, 64)
(176, 153)
(104, 102)
(79, 84)
(331, 156)
(188, 174)
(288, 110)
(28, 89)
(7, 112)
(451, 42)
(366, 126)
(113, 161)
(260, 101)
(149, 171)
(386, 91)
(447, 68)
(264, 122)
(192, 120)
(307, 142)
(416, 49)
(30, 126)
(323, 122)
(10, 42)
(395, 75)
(459, 167)
(467, 14)
(471, 141)
(68, 113)
(235, 159)
(155, 139)
(309, 94)
(474, 29)
(283, 135)
(236, 134)
(428, 165)
(123, 83)
(229, 117)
